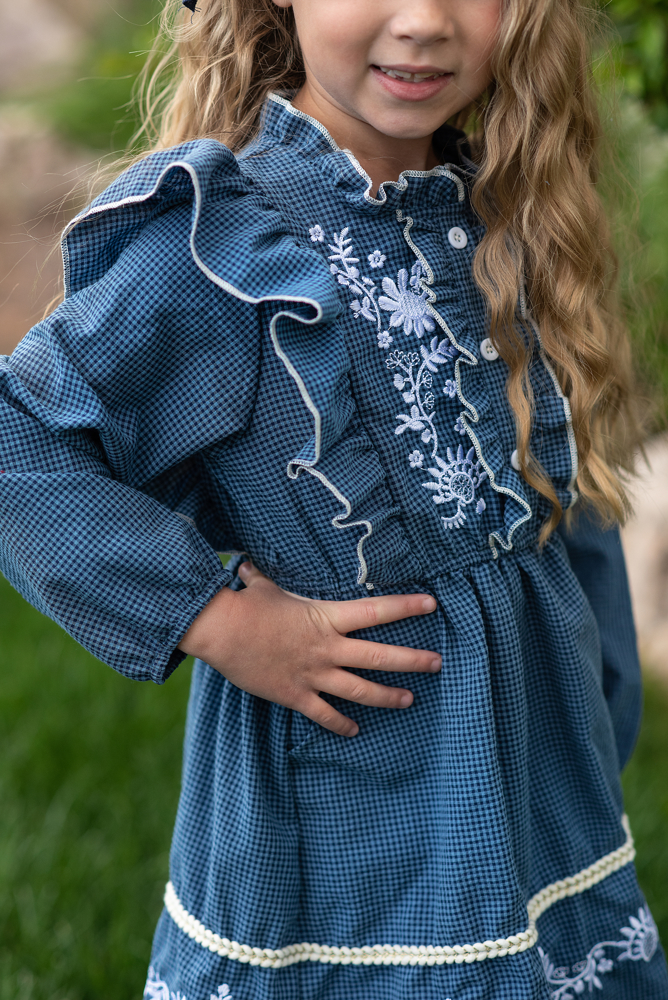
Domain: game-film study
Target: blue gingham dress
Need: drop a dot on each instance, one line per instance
(262, 356)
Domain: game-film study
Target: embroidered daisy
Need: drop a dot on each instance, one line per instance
(459, 426)
(416, 459)
(317, 234)
(384, 339)
(408, 309)
(450, 388)
(642, 937)
(376, 259)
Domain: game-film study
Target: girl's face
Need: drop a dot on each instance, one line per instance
(400, 67)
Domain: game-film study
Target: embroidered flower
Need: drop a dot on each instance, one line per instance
(460, 426)
(223, 993)
(456, 481)
(376, 259)
(317, 234)
(480, 506)
(643, 937)
(409, 310)
(156, 988)
(416, 459)
(450, 388)
(384, 339)
(640, 942)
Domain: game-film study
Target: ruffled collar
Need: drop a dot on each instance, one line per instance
(285, 124)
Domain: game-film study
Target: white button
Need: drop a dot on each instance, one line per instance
(488, 351)
(457, 238)
(515, 461)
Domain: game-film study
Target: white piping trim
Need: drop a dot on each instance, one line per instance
(398, 954)
(401, 184)
(471, 359)
(337, 521)
(237, 293)
(566, 403)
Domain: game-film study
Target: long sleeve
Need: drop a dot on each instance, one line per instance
(123, 382)
(597, 559)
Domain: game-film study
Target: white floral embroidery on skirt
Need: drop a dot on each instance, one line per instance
(640, 942)
(157, 989)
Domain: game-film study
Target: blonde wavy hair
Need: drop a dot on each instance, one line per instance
(535, 134)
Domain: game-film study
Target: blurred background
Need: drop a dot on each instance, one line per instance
(90, 770)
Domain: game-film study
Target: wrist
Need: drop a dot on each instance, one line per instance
(204, 633)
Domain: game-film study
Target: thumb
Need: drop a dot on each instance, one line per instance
(250, 575)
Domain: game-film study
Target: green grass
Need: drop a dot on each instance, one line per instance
(89, 783)
(646, 791)
(88, 790)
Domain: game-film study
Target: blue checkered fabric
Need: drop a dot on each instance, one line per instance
(261, 355)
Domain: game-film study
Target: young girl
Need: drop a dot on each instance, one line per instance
(347, 353)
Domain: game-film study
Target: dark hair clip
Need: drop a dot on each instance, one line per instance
(190, 4)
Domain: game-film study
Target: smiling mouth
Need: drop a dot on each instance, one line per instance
(398, 74)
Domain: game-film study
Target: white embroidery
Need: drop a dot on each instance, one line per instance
(317, 234)
(157, 989)
(456, 480)
(408, 302)
(640, 942)
(409, 309)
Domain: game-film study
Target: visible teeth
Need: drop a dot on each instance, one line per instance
(398, 74)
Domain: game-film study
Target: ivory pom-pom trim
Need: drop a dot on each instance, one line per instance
(404, 954)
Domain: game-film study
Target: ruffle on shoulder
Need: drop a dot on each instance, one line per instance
(241, 244)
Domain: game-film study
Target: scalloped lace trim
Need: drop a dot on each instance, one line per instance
(403, 954)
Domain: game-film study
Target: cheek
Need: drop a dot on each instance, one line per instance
(331, 43)
(483, 33)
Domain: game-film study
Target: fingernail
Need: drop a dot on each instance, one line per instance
(435, 665)
(429, 604)
(406, 700)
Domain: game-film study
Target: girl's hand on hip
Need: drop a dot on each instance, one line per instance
(289, 649)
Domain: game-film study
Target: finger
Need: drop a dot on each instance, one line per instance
(317, 709)
(349, 616)
(364, 692)
(364, 655)
(249, 574)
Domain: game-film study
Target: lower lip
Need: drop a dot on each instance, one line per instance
(406, 91)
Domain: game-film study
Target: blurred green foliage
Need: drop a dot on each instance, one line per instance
(94, 107)
(642, 55)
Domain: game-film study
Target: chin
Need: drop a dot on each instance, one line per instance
(408, 129)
